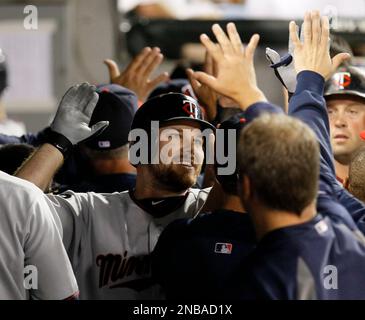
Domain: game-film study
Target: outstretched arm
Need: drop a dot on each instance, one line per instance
(137, 75)
(314, 65)
(235, 76)
(69, 127)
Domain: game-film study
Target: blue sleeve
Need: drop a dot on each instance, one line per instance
(29, 138)
(70, 173)
(308, 105)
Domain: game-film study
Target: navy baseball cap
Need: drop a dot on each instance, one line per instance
(117, 105)
(175, 85)
(238, 122)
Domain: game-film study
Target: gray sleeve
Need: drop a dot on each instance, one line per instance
(45, 256)
(72, 211)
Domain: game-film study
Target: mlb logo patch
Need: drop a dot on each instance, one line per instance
(225, 248)
(104, 144)
(321, 227)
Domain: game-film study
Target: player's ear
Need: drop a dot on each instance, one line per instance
(247, 187)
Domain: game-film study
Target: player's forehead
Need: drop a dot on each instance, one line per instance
(182, 126)
(345, 101)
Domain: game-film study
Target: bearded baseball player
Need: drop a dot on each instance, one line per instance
(109, 237)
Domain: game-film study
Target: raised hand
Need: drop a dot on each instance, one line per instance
(206, 96)
(136, 75)
(74, 113)
(313, 52)
(284, 66)
(235, 76)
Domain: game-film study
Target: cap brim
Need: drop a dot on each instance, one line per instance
(345, 92)
(204, 124)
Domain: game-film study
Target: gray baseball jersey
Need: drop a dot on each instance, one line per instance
(109, 239)
(33, 261)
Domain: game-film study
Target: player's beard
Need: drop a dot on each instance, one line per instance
(175, 177)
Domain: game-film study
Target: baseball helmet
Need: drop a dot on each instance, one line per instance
(3, 72)
(348, 80)
(167, 108)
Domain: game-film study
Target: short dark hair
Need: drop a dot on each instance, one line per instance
(280, 156)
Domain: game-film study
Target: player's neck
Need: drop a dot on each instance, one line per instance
(148, 187)
(267, 220)
(232, 203)
(342, 170)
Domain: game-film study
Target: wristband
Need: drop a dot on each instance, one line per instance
(59, 141)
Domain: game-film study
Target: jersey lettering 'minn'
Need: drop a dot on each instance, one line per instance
(114, 268)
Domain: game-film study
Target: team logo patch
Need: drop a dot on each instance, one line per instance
(190, 108)
(225, 248)
(342, 80)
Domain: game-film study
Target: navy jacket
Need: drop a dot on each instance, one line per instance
(308, 104)
(323, 258)
(196, 258)
(319, 259)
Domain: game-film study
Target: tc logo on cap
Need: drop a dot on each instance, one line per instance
(342, 79)
(225, 248)
(190, 108)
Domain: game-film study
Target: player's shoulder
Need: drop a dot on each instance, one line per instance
(174, 232)
(188, 225)
(19, 186)
(20, 199)
(93, 196)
